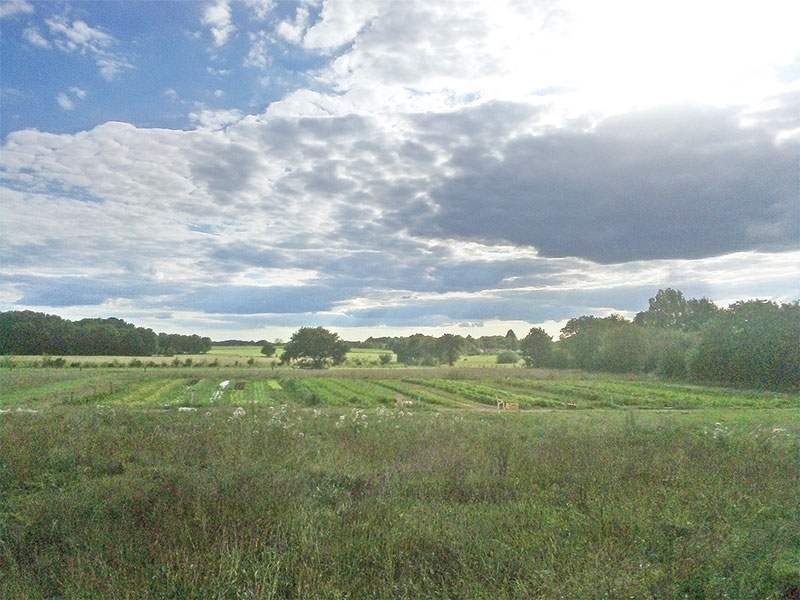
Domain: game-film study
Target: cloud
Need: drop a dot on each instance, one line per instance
(65, 102)
(261, 8)
(215, 119)
(424, 178)
(340, 22)
(217, 17)
(110, 66)
(78, 36)
(258, 55)
(293, 31)
(83, 39)
(681, 183)
(11, 8)
(34, 37)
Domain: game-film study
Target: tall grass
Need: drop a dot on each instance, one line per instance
(324, 503)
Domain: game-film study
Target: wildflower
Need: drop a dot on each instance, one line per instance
(239, 412)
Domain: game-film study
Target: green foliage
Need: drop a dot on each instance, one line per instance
(314, 347)
(449, 347)
(507, 357)
(536, 348)
(416, 349)
(583, 336)
(754, 343)
(670, 310)
(26, 332)
(623, 348)
(268, 349)
(385, 358)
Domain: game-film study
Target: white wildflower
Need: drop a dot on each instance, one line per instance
(239, 412)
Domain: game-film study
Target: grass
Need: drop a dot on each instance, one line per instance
(320, 503)
(324, 489)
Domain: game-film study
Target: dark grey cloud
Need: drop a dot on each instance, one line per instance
(84, 291)
(682, 183)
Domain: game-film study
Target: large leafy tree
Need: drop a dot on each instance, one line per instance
(583, 336)
(314, 347)
(448, 347)
(667, 309)
(536, 348)
(670, 310)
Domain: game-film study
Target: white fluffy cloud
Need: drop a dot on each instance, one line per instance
(293, 30)
(78, 37)
(217, 17)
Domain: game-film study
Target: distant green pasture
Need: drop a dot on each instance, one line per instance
(241, 351)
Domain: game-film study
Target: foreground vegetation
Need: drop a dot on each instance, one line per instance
(292, 502)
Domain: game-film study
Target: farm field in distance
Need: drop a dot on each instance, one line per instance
(125, 482)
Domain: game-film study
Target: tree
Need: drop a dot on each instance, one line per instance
(536, 348)
(417, 349)
(581, 338)
(699, 312)
(314, 347)
(268, 349)
(753, 343)
(512, 343)
(448, 347)
(623, 348)
(667, 309)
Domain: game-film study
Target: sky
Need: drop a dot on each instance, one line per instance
(240, 169)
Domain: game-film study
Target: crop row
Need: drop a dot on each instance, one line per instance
(480, 393)
(416, 392)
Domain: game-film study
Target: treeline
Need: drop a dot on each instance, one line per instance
(27, 332)
(426, 350)
(240, 343)
(753, 343)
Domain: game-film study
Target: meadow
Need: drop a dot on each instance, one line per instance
(126, 483)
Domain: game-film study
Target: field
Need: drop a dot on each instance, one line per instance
(126, 483)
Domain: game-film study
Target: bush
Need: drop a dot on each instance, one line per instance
(507, 357)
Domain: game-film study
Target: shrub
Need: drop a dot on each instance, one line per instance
(507, 357)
